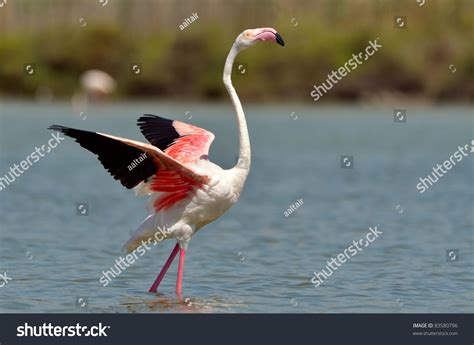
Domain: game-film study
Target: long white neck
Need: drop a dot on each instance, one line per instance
(243, 164)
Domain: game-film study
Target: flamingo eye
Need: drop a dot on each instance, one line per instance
(247, 33)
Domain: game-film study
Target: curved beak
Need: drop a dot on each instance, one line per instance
(279, 39)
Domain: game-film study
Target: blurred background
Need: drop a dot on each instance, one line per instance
(100, 64)
(430, 57)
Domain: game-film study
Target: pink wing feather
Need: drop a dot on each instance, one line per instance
(193, 143)
(175, 180)
(184, 143)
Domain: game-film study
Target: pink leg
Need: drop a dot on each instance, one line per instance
(164, 269)
(179, 280)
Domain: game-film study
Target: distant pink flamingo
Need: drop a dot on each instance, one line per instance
(187, 190)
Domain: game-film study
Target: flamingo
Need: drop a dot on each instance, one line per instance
(97, 84)
(96, 87)
(187, 190)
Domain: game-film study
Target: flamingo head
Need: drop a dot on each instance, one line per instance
(251, 36)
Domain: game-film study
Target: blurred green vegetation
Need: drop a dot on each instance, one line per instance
(320, 36)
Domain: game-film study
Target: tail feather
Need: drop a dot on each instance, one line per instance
(150, 231)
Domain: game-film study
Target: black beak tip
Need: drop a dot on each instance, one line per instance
(279, 39)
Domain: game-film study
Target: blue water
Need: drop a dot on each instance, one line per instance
(253, 259)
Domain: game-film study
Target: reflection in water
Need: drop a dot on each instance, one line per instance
(162, 303)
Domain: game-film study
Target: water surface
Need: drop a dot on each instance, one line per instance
(253, 259)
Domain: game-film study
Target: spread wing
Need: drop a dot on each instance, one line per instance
(132, 162)
(183, 142)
